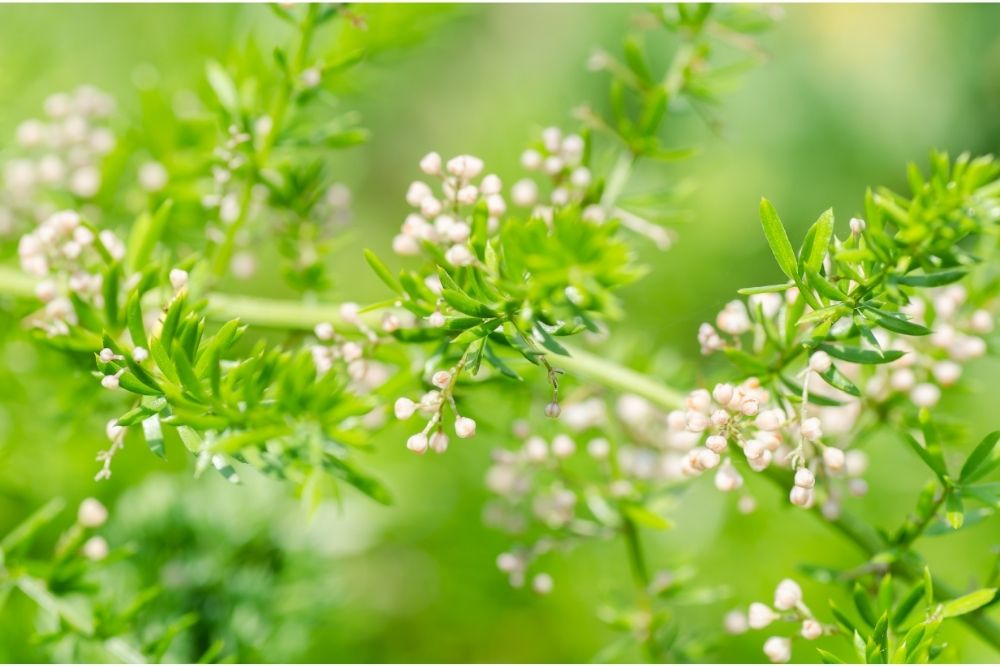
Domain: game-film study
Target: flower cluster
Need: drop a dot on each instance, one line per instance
(934, 362)
(60, 156)
(560, 157)
(445, 218)
(789, 608)
(66, 253)
(748, 417)
(432, 405)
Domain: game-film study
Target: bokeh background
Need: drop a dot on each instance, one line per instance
(848, 96)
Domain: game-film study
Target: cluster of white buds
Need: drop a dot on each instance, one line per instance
(432, 405)
(516, 563)
(93, 514)
(66, 254)
(747, 417)
(59, 154)
(445, 218)
(116, 434)
(933, 363)
(332, 347)
(560, 158)
(230, 158)
(789, 608)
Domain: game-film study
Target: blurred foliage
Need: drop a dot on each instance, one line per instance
(846, 96)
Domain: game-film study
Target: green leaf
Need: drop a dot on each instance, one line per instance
(935, 279)
(223, 86)
(863, 604)
(383, 272)
(765, 289)
(932, 461)
(153, 433)
(466, 304)
(838, 380)
(897, 324)
(645, 517)
(825, 287)
(979, 455)
(907, 604)
(819, 241)
(968, 603)
(76, 616)
(145, 233)
(859, 355)
(25, 530)
(954, 510)
(133, 319)
(829, 658)
(777, 238)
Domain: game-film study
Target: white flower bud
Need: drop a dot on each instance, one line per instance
(531, 159)
(723, 394)
(417, 443)
(802, 497)
(114, 430)
(140, 354)
(467, 195)
(435, 319)
(805, 478)
(404, 408)
(441, 379)
(981, 322)
(106, 355)
(580, 178)
(553, 165)
(760, 615)
(855, 463)
(946, 373)
(754, 449)
(542, 584)
(324, 331)
(728, 479)
(459, 255)
(820, 362)
(465, 427)
(439, 442)
(96, 548)
(707, 459)
(430, 164)
(925, 395)
(778, 649)
(749, 407)
(769, 420)
(91, 513)
(405, 246)
(834, 459)
(178, 279)
(787, 595)
(552, 410)
(716, 443)
(735, 622)
(857, 226)
(696, 421)
(811, 629)
(563, 446)
(417, 193)
(508, 562)
(524, 193)
(430, 207)
(812, 429)
(599, 448)
(535, 449)
(110, 382)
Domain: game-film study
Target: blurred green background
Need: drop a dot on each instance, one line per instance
(849, 95)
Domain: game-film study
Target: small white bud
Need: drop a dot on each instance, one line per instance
(820, 362)
(778, 649)
(110, 382)
(811, 629)
(760, 615)
(430, 164)
(542, 584)
(324, 331)
(96, 548)
(563, 446)
(749, 407)
(925, 395)
(805, 478)
(349, 311)
(723, 394)
(459, 255)
(802, 497)
(535, 449)
(140, 354)
(857, 226)
(552, 410)
(439, 442)
(787, 595)
(465, 427)
(417, 192)
(599, 448)
(735, 622)
(106, 355)
(812, 429)
(834, 459)
(441, 379)
(91, 513)
(728, 479)
(417, 443)
(531, 159)
(178, 279)
(435, 319)
(716, 443)
(404, 408)
(114, 430)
